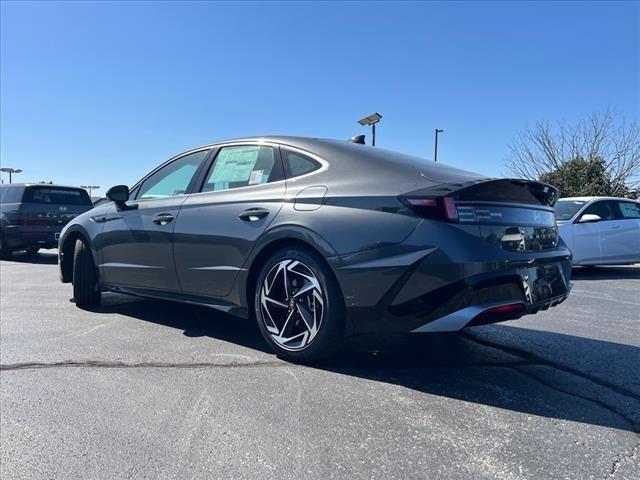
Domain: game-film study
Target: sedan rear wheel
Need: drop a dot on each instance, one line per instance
(299, 306)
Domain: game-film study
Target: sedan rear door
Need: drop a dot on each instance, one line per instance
(241, 195)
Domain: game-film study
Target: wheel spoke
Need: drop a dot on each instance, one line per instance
(276, 302)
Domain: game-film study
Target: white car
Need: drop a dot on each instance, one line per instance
(600, 230)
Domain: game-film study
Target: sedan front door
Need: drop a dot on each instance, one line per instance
(588, 239)
(136, 244)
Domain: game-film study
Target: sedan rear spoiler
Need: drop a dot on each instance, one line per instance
(494, 190)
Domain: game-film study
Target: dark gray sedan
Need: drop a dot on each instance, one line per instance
(323, 239)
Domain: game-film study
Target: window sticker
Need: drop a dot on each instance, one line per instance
(234, 165)
(256, 177)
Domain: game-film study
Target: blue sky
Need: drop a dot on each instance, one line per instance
(102, 92)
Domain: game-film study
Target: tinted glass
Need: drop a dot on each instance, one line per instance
(58, 196)
(629, 209)
(11, 194)
(172, 179)
(242, 166)
(566, 209)
(297, 164)
(604, 209)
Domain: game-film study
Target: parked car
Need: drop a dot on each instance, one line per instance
(321, 239)
(600, 230)
(32, 215)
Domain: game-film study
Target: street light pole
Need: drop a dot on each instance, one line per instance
(10, 171)
(435, 155)
(90, 187)
(371, 120)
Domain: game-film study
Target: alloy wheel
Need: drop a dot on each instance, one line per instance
(292, 304)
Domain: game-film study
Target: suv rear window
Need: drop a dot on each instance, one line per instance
(61, 196)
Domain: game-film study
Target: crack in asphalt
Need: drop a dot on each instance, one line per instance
(543, 361)
(621, 458)
(115, 364)
(616, 463)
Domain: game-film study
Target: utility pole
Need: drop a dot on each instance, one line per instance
(435, 155)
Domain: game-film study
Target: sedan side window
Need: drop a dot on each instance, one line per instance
(242, 166)
(629, 209)
(172, 179)
(296, 164)
(604, 209)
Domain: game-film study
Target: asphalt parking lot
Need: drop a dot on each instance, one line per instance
(148, 389)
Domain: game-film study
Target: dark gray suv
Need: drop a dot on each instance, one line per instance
(322, 239)
(32, 215)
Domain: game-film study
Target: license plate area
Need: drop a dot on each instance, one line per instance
(543, 283)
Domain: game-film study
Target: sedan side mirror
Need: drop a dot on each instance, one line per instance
(119, 195)
(589, 218)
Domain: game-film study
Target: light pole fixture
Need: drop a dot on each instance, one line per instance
(371, 120)
(435, 155)
(10, 171)
(90, 187)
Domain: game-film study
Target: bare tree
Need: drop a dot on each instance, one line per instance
(544, 151)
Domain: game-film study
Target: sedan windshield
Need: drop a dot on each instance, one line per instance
(566, 209)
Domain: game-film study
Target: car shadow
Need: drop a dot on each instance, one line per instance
(42, 257)
(606, 272)
(456, 366)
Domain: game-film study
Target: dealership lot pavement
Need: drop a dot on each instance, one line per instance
(148, 389)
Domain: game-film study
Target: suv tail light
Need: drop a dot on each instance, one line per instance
(32, 221)
(438, 208)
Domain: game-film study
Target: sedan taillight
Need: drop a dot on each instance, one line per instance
(438, 208)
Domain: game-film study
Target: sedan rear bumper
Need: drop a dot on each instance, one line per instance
(416, 287)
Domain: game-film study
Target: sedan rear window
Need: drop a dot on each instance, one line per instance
(566, 209)
(58, 196)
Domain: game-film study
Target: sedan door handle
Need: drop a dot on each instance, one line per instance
(163, 219)
(253, 214)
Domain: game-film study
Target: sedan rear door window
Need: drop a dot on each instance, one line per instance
(242, 166)
(629, 209)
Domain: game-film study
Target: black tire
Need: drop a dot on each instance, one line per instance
(86, 287)
(329, 335)
(5, 253)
